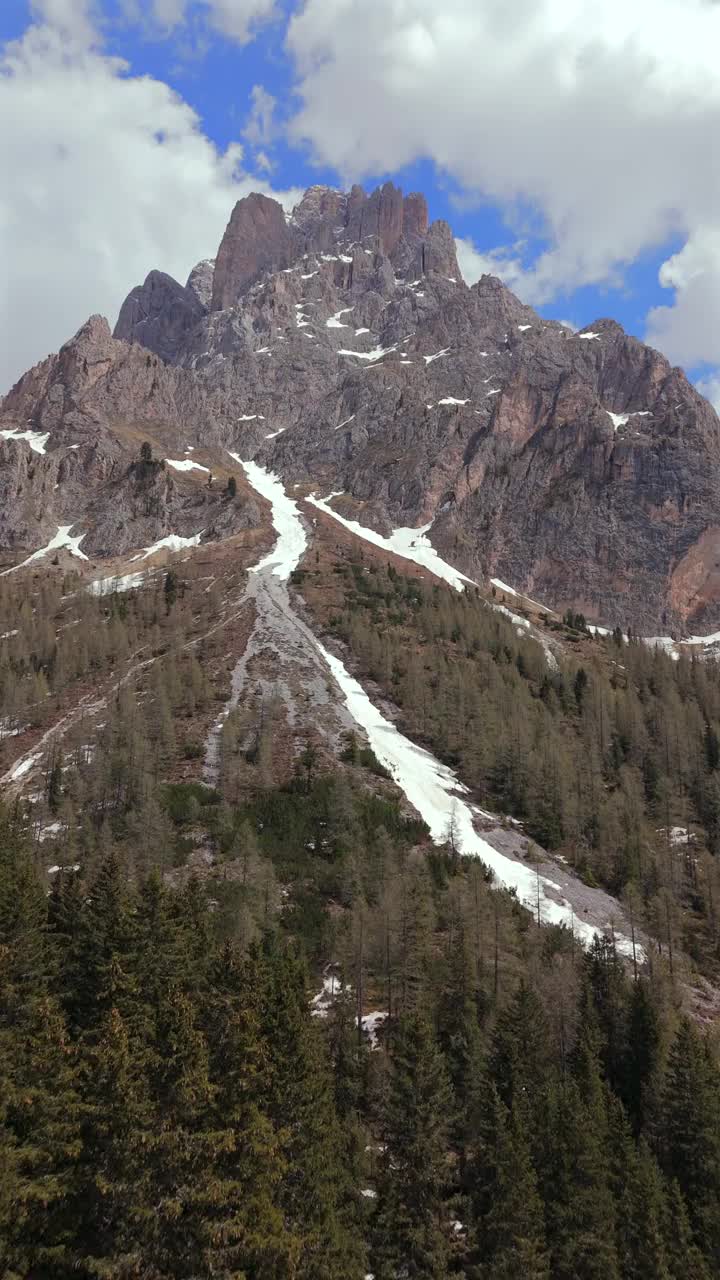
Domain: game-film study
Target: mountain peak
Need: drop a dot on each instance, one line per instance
(257, 238)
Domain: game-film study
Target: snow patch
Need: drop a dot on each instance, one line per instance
(377, 353)
(335, 323)
(445, 352)
(61, 541)
(292, 539)
(108, 586)
(523, 327)
(452, 400)
(620, 419)
(409, 544)
(24, 766)
(173, 542)
(36, 439)
(588, 337)
(345, 423)
(185, 465)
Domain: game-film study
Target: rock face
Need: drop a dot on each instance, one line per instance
(160, 314)
(257, 239)
(342, 348)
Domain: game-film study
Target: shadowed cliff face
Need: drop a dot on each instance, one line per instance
(340, 346)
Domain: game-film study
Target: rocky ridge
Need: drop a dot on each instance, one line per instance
(341, 347)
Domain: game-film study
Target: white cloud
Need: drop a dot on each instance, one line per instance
(709, 386)
(111, 176)
(603, 117)
(73, 18)
(503, 262)
(260, 128)
(236, 19)
(689, 330)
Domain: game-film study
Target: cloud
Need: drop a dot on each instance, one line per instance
(236, 19)
(689, 329)
(709, 386)
(74, 19)
(260, 128)
(503, 262)
(111, 176)
(602, 118)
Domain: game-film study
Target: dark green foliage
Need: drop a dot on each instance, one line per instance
(410, 1230)
(170, 589)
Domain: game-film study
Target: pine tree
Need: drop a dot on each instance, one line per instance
(689, 1134)
(410, 1234)
(640, 1202)
(112, 1187)
(641, 1055)
(685, 1261)
(511, 1232)
(575, 1175)
(458, 1029)
(244, 1227)
(98, 976)
(39, 1140)
(519, 1056)
(317, 1198)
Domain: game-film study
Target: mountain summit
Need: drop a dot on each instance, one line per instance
(340, 347)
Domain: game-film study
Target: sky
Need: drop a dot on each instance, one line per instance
(573, 147)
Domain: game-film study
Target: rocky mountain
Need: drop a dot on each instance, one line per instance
(340, 347)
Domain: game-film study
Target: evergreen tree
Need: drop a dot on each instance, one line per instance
(575, 1175)
(39, 1140)
(511, 1231)
(685, 1261)
(519, 1058)
(317, 1197)
(640, 1203)
(410, 1231)
(689, 1134)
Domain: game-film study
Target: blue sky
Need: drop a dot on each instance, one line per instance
(499, 120)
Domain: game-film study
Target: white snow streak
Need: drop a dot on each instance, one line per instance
(24, 766)
(35, 439)
(410, 544)
(173, 542)
(292, 539)
(61, 541)
(503, 586)
(377, 353)
(185, 465)
(588, 337)
(445, 352)
(452, 400)
(335, 323)
(108, 586)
